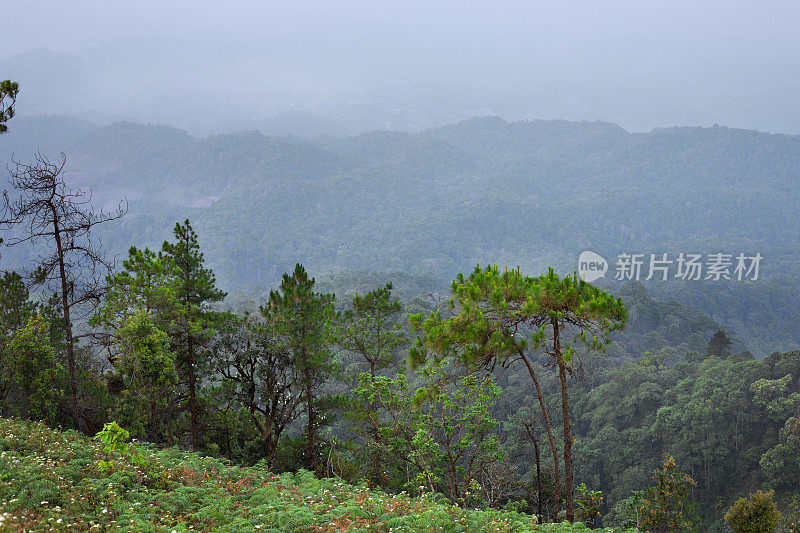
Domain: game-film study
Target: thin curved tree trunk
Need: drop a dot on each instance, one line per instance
(568, 473)
(550, 438)
(540, 511)
(562, 376)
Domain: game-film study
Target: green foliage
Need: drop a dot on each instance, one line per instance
(627, 513)
(791, 515)
(145, 283)
(159, 309)
(492, 305)
(194, 289)
(370, 328)
(32, 364)
(15, 311)
(588, 504)
(8, 96)
(195, 285)
(756, 513)
(781, 463)
(259, 377)
(443, 430)
(113, 438)
(667, 506)
(57, 479)
(15, 304)
(719, 345)
(500, 316)
(775, 397)
(301, 318)
(192, 326)
(146, 366)
(147, 360)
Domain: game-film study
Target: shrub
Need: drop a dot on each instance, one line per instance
(757, 513)
(113, 438)
(587, 503)
(54, 481)
(667, 505)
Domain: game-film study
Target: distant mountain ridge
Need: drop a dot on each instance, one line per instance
(532, 193)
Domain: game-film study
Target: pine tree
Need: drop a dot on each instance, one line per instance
(371, 330)
(719, 345)
(140, 299)
(496, 309)
(301, 319)
(194, 290)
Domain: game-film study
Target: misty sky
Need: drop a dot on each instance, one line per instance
(411, 64)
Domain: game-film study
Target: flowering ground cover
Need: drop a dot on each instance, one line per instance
(62, 481)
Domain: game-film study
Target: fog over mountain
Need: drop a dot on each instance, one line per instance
(339, 68)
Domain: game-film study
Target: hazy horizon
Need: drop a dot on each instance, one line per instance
(356, 66)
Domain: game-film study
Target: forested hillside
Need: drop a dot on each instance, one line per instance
(399, 267)
(533, 194)
(622, 403)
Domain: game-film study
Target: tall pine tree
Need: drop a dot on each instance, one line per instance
(301, 319)
(499, 312)
(195, 290)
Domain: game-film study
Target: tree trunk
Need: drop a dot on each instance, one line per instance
(540, 513)
(192, 394)
(568, 473)
(539, 481)
(311, 449)
(275, 438)
(71, 366)
(550, 438)
(562, 376)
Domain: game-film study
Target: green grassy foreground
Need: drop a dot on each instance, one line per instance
(55, 481)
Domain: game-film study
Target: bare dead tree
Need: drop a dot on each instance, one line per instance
(46, 211)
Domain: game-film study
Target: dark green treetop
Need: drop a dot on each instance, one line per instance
(8, 96)
(301, 320)
(499, 314)
(371, 329)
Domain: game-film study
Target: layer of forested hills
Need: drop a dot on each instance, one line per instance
(533, 194)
